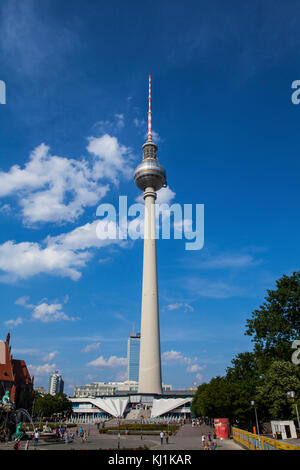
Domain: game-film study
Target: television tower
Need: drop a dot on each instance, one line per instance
(150, 176)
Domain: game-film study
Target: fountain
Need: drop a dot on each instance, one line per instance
(11, 420)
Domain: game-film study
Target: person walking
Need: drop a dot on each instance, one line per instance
(167, 437)
(16, 445)
(203, 440)
(36, 437)
(161, 437)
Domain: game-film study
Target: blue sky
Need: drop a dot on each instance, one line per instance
(70, 135)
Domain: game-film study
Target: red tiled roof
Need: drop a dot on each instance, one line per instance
(20, 371)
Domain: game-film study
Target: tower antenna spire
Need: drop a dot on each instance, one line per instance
(149, 112)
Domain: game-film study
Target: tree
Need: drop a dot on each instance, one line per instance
(217, 399)
(244, 376)
(280, 378)
(62, 404)
(276, 323)
(48, 405)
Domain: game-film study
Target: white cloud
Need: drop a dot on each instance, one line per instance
(164, 196)
(155, 136)
(64, 255)
(180, 305)
(49, 313)
(51, 188)
(44, 369)
(50, 356)
(22, 300)
(86, 236)
(112, 361)
(177, 356)
(113, 125)
(111, 158)
(46, 313)
(91, 347)
(139, 123)
(13, 323)
(5, 209)
(195, 368)
(199, 377)
(26, 259)
(120, 120)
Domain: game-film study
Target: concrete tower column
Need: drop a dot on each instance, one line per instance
(150, 176)
(150, 361)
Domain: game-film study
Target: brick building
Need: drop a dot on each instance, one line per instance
(14, 376)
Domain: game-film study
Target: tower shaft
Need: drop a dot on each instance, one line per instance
(150, 176)
(150, 361)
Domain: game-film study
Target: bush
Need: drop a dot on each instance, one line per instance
(151, 429)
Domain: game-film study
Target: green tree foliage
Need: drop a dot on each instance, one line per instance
(244, 377)
(266, 374)
(280, 378)
(276, 323)
(230, 396)
(48, 405)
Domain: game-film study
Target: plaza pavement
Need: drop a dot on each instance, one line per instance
(189, 438)
(186, 438)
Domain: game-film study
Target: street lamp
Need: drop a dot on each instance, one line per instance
(257, 426)
(119, 434)
(292, 394)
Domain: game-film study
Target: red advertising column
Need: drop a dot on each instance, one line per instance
(222, 427)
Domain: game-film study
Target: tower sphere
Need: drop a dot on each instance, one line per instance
(150, 173)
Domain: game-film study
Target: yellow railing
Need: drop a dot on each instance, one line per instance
(255, 442)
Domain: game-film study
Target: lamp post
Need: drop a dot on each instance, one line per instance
(292, 394)
(119, 434)
(257, 426)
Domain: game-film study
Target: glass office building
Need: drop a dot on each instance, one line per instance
(133, 357)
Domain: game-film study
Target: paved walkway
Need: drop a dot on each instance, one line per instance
(100, 442)
(186, 438)
(189, 438)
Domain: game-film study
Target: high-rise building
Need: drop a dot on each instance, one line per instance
(133, 356)
(150, 176)
(56, 383)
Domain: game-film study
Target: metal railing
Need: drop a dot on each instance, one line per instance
(257, 442)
